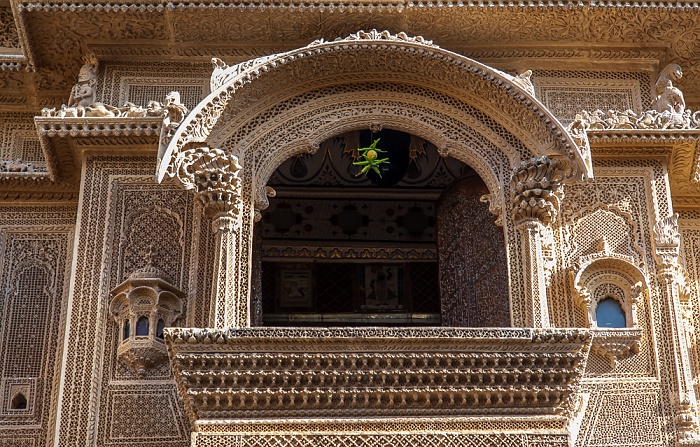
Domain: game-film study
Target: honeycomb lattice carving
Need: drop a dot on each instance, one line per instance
(140, 83)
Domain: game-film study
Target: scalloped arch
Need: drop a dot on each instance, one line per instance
(269, 108)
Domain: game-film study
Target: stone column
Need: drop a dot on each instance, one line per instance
(671, 277)
(537, 191)
(218, 188)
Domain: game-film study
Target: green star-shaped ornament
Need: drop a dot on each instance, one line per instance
(368, 158)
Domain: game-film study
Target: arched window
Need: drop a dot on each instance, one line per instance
(127, 330)
(159, 328)
(19, 402)
(609, 314)
(142, 326)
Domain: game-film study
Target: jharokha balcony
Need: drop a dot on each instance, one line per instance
(233, 379)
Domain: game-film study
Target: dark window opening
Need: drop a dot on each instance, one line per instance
(609, 313)
(159, 328)
(19, 402)
(142, 326)
(127, 330)
(405, 248)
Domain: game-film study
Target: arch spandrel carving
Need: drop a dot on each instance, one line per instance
(256, 89)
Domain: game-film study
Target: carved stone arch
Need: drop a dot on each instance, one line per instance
(607, 268)
(466, 147)
(622, 237)
(249, 95)
(30, 263)
(263, 111)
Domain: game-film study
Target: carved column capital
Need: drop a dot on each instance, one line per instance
(215, 180)
(536, 187)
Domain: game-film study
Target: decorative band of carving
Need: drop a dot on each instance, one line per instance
(537, 188)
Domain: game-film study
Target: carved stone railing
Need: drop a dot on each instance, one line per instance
(253, 373)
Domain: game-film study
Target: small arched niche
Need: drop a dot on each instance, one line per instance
(18, 402)
(337, 247)
(608, 288)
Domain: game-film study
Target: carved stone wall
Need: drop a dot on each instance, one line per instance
(35, 261)
(690, 230)
(629, 402)
(125, 213)
(8, 31)
(472, 259)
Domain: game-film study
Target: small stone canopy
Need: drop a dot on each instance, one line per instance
(265, 110)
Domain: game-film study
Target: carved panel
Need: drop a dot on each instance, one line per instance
(568, 93)
(35, 251)
(625, 418)
(8, 31)
(140, 83)
(124, 212)
(20, 142)
(146, 217)
(472, 260)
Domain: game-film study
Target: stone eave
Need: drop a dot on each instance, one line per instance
(678, 146)
(643, 137)
(64, 139)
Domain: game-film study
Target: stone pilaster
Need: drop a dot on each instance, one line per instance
(671, 278)
(537, 191)
(216, 182)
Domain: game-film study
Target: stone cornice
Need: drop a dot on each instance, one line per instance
(129, 27)
(62, 138)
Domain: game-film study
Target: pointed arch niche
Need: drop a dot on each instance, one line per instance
(262, 112)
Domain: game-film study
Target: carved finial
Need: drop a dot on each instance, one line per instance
(603, 246)
(174, 113)
(668, 97)
(686, 419)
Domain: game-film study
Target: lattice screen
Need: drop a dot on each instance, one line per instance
(566, 93)
(140, 83)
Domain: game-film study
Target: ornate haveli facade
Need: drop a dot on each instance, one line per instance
(198, 249)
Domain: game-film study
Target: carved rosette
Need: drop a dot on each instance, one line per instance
(537, 189)
(218, 187)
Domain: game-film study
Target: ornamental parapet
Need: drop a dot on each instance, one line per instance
(251, 373)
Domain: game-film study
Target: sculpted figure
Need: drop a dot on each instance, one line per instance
(669, 98)
(173, 114)
(523, 81)
(83, 93)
